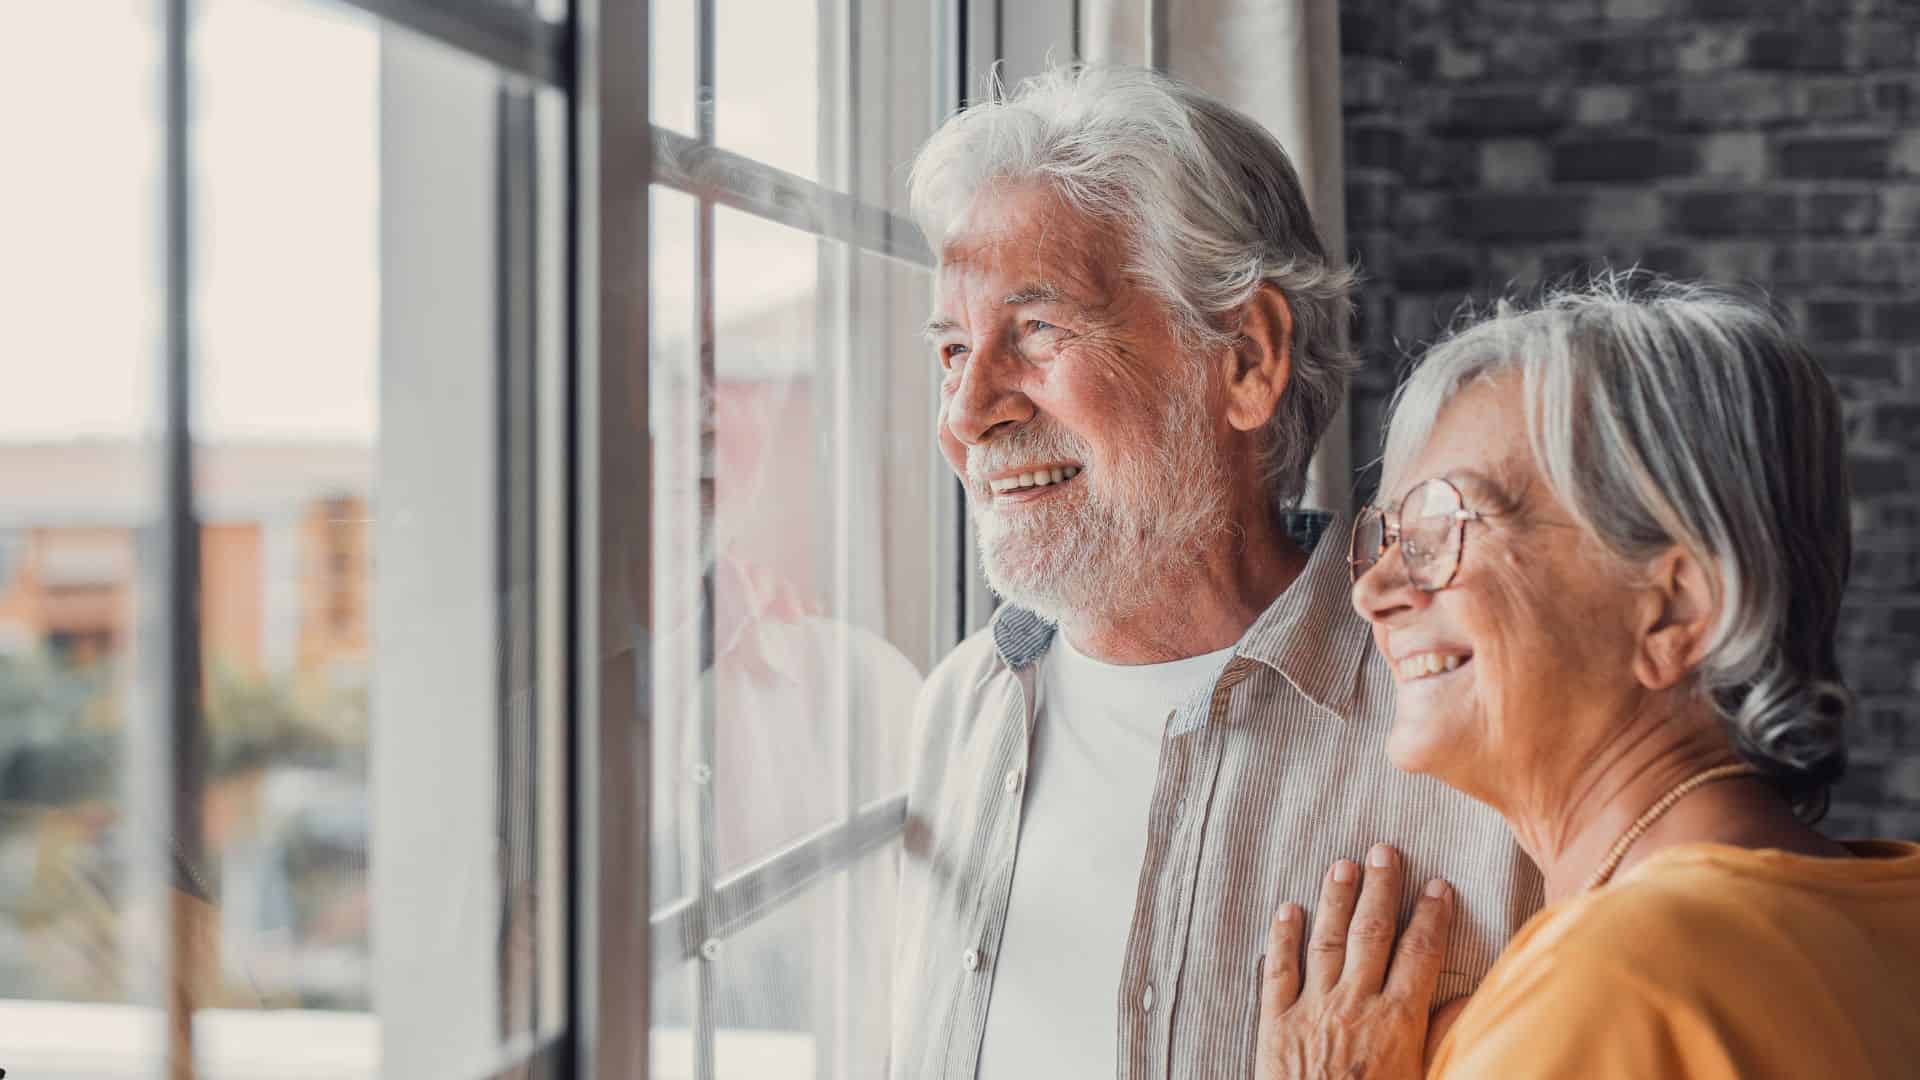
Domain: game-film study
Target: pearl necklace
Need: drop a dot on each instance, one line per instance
(1656, 811)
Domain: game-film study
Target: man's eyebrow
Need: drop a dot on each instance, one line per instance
(1032, 294)
(1026, 294)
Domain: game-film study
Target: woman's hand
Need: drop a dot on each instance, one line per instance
(1359, 1009)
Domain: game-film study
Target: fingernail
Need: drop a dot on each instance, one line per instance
(1287, 913)
(1343, 871)
(1438, 889)
(1379, 858)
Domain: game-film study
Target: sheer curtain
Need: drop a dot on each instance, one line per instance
(1278, 61)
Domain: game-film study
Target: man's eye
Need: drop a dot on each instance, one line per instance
(948, 353)
(1035, 326)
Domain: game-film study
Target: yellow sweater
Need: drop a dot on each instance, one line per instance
(1710, 961)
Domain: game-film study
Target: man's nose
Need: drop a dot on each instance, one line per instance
(987, 398)
(1384, 591)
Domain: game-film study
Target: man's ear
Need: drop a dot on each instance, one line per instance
(1262, 362)
(1682, 605)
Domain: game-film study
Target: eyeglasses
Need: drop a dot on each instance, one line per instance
(1431, 528)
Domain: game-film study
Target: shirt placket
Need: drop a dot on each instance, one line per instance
(978, 959)
(1156, 944)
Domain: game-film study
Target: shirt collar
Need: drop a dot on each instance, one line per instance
(1311, 634)
(1021, 637)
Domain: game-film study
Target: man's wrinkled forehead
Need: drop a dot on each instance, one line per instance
(1027, 234)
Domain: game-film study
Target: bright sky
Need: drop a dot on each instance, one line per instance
(286, 206)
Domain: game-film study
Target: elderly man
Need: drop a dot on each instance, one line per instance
(1174, 724)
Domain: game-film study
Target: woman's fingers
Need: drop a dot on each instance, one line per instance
(1375, 918)
(1280, 973)
(1423, 948)
(1327, 948)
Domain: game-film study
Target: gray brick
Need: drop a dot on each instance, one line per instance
(1374, 146)
(1803, 49)
(1453, 62)
(1836, 100)
(1905, 154)
(1513, 164)
(1878, 475)
(1735, 260)
(1897, 423)
(1848, 263)
(1620, 213)
(1897, 320)
(1619, 58)
(1505, 112)
(1833, 157)
(1605, 106)
(1732, 103)
(1880, 45)
(1844, 212)
(1733, 213)
(1862, 367)
(1900, 208)
(1738, 155)
(1709, 49)
(1433, 270)
(1521, 216)
(1626, 157)
(1834, 320)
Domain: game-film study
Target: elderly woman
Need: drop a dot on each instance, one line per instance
(1607, 585)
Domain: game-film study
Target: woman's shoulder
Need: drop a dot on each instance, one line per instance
(1694, 922)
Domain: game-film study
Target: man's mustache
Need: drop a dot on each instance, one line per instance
(1023, 447)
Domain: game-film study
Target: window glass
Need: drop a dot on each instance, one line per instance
(377, 274)
(79, 499)
(800, 589)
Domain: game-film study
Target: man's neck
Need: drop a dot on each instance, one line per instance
(1201, 610)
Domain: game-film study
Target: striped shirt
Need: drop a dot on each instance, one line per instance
(1266, 778)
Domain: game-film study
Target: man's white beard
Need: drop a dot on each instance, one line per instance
(1103, 552)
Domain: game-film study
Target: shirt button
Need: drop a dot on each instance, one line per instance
(1180, 806)
(970, 959)
(1013, 781)
(1146, 999)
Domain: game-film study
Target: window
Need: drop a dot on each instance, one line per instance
(474, 533)
(803, 566)
(284, 729)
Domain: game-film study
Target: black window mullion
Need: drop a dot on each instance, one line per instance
(176, 730)
(706, 777)
(509, 37)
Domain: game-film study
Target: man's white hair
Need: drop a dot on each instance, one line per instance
(1665, 414)
(1208, 202)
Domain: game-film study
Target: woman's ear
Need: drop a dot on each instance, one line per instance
(1682, 606)
(1262, 362)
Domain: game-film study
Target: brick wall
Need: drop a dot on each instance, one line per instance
(1493, 145)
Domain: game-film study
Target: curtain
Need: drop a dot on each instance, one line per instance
(1278, 61)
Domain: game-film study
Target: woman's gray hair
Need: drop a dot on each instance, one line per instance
(1668, 414)
(1207, 199)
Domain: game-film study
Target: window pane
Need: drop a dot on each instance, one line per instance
(370, 376)
(670, 77)
(79, 502)
(767, 82)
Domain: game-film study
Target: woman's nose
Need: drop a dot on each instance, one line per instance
(1384, 591)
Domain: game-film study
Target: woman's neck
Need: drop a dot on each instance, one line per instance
(1571, 830)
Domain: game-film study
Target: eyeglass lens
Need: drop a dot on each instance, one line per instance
(1430, 535)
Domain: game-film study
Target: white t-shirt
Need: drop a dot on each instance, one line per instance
(1097, 730)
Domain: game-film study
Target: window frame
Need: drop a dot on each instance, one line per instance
(597, 58)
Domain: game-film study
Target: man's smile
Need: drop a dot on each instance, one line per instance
(1030, 483)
